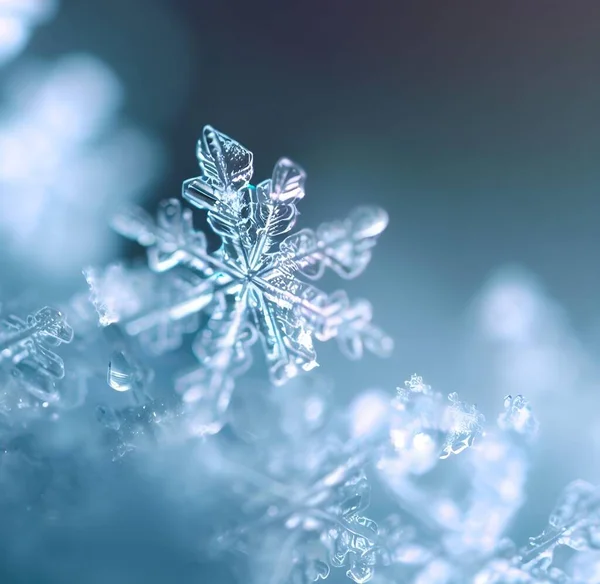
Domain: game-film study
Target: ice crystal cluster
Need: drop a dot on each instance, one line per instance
(287, 487)
(454, 482)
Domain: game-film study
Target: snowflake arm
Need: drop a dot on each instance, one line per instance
(158, 310)
(574, 522)
(31, 341)
(27, 351)
(223, 350)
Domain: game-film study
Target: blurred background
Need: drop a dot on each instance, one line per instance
(474, 124)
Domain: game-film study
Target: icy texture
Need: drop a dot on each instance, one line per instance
(426, 427)
(138, 426)
(60, 124)
(312, 485)
(414, 490)
(307, 492)
(27, 354)
(17, 20)
(144, 420)
(464, 426)
(250, 287)
(305, 485)
(518, 416)
(454, 509)
(574, 523)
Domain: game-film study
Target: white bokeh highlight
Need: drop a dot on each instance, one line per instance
(18, 19)
(67, 159)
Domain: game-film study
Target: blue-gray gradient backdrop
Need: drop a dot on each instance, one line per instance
(475, 124)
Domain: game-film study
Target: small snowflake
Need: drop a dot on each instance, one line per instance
(249, 288)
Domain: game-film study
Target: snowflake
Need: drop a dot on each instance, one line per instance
(249, 288)
(518, 416)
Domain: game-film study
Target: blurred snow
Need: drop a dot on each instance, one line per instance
(17, 20)
(67, 159)
(523, 340)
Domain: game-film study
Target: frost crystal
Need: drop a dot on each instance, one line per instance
(144, 419)
(426, 427)
(454, 510)
(249, 287)
(465, 425)
(27, 351)
(307, 491)
(518, 416)
(575, 524)
(307, 484)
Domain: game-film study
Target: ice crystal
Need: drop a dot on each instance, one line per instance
(308, 484)
(140, 422)
(518, 416)
(296, 474)
(250, 287)
(465, 425)
(426, 427)
(574, 523)
(307, 490)
(27, 352)
(454, 509)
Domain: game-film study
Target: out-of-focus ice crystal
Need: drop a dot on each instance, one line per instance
(453, 510)
(304, 486)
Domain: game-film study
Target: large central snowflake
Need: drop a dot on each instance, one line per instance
(249, 288)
